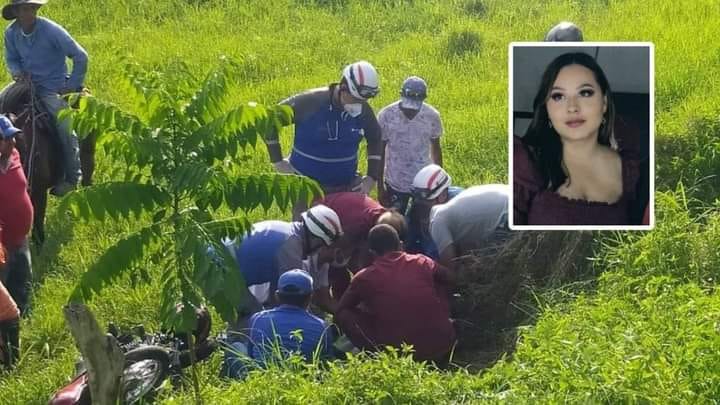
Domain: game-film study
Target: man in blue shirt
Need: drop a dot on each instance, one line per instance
(290, 325)
(275, 247)
(329, 123)
(36, 49)
(286, 329)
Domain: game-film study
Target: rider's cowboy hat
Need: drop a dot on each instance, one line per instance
(9, 11)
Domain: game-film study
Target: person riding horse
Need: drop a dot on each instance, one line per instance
(36, 49)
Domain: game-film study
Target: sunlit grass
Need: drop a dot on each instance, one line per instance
(582, 351)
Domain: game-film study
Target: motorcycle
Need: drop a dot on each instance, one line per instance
(150, 359)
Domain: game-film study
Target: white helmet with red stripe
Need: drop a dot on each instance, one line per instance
(430, 182)
(323, 222)
(362, 80)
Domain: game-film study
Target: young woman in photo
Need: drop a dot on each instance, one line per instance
(567, 168)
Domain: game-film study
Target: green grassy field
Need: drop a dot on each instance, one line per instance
(646, 331)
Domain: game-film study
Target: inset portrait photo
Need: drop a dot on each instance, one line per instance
(581, 123)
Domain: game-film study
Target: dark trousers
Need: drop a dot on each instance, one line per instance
(9, 342)
(397, 199)
(355, 323)
(17, 277)
(339, 279)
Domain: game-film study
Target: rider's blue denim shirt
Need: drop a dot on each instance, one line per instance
(43, 54)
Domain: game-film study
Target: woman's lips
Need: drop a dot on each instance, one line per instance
(574, 123)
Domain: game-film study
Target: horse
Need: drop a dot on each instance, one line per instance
(40, 154)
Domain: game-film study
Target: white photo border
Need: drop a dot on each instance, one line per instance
(651, 156)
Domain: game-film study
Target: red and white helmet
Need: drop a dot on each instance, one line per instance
(362, 80)
(430, 182)
(323, 222)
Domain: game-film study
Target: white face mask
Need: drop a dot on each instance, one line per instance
(354, 109)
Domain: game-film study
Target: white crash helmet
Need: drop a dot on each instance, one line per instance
(362, 80)
(430, 182)
(323, 222)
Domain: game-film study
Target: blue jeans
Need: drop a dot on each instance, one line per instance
(53, 103)
(236, 362)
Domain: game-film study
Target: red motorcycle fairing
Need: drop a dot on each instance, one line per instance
(77, 392)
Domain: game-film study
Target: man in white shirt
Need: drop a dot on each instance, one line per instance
(474, 219)
(411, 131)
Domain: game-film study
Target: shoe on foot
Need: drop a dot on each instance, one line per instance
(62, 189)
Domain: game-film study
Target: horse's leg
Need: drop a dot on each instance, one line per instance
(87, 157)
(38, 195)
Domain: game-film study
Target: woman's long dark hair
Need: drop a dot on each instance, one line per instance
(542, 140)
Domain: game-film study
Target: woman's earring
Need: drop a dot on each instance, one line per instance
(549, 124)
(603, 121)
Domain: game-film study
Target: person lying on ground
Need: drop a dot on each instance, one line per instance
(16, 215)
(329, 123)
(274, 247)
(36, 50)
(475, 219)
(399, 299)
(411, 131)
(288, 328)
(9, 321)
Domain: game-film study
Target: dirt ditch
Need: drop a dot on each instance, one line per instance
(488, 304)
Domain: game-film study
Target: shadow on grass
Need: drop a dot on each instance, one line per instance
(60, 230)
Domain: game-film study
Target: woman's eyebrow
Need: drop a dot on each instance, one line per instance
(580, 86)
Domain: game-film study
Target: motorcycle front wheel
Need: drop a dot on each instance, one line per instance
(145, 370)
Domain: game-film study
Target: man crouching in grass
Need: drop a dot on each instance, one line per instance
(286, 329)
(400, 299)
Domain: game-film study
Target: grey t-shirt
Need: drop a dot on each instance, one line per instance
(471, 218)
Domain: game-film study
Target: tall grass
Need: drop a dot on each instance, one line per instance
(647, 333)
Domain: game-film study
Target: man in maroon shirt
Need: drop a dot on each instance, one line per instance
(358, 213)
(16, 214)
(399, 299)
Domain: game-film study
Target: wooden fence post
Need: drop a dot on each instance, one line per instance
(101, 353)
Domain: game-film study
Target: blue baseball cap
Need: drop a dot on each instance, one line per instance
(413, 92)
(7, 129)
(296, 282)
